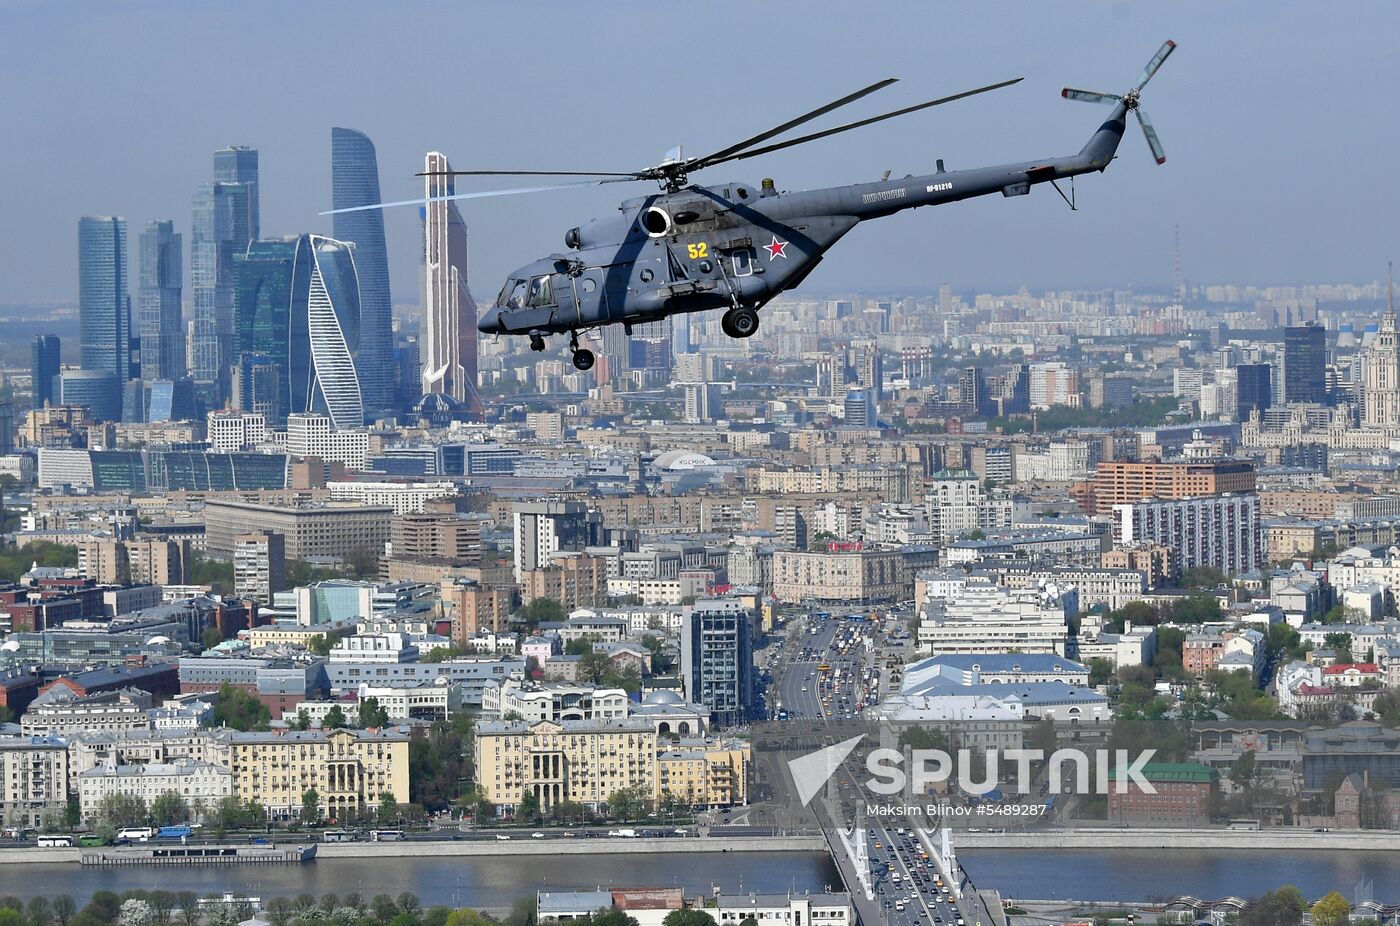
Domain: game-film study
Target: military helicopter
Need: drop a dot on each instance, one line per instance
(735, 246)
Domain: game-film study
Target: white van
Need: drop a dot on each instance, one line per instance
(136, 833)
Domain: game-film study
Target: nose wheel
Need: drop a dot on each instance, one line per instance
(739, 323)
(583, 357)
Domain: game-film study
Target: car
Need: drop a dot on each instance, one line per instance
(502, 837)
(537, 835)
(888, 904)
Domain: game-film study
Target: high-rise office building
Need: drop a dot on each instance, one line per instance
(299, 311)
(545, 528)
(158, 320)
(103, 304)
(225, 221)
(972, 391)
(46, 358)
(259, 565)
(717, 659)
(239, 164)
(860, 409)
(355, 182)
(1305, 363)
(448, 350)
(1254, 389)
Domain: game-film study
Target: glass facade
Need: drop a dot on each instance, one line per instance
(103, 303)
(225, 222)
(167, 471)
(355, 182)
(158, 319)
(45, 360)
(100, 393)
(263, 327)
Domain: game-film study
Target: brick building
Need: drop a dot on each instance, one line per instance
(1182, 798)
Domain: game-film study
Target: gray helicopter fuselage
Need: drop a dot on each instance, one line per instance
(735, 244)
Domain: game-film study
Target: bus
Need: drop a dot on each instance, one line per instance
(1242, 825)
(55, 842)
(824, 668)
(90, 840)
(385, 835)
(337, 836)
(174, 832)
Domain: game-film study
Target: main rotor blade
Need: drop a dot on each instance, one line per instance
(1150, 133)
(527, 173)
(482, 194)
(1162, 53)
(790, 124)
(856, 125)
(1089, 96)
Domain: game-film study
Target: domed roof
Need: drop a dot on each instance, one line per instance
(682, 459)
(662, 697)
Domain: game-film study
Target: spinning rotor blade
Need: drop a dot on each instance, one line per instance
(724, 153)
(527, 173)
(1150, 134)
(480, 195)
(1089, 96)
(802, 140)
(1162, 53)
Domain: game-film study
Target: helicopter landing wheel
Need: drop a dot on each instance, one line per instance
(536, 342)
(740, 323)
(583, 359)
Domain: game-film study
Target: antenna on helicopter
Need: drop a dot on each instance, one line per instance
(1131, 99)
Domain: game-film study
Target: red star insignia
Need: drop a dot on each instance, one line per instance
(776, 249)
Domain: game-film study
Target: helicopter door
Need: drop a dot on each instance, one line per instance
(591, 297)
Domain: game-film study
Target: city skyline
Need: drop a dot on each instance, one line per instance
(1235, 172)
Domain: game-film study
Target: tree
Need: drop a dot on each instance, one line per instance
(628, 804)
(169, 808)
(72, 813)
(1100, 671)
(310, 806)
(188, 903)
(335, 719)
(162, 903)
(63, 909)
(748, 921)
(211, 637)
(1331, 910)
(104, 906)
(279, 911)
(362, 562)
(134, 912)
(330, 903)
(688, 917)
(372, 716)
(38, 911)
(1283, 907)
(592, 666)
(388, 808)
(382, 907)
(1202, 577)
(121, 810)
(529, 807)
(1341, 643)
(409, 903)
(1244, 775)
(524, 912)
(439, 761)
(539, 609)
(239, 710)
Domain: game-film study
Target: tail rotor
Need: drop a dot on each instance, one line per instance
(1131, 99)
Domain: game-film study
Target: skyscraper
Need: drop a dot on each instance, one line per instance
(46, 360)
(225, 221)
(158, 320)
(299, 311)
(448, 350)
(239, 164)
(103, 304)
(1305, 363)
(1253, 389)
(355, 182)
(717, 659)
(1380, 395)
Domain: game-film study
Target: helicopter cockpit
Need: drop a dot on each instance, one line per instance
(519, 293)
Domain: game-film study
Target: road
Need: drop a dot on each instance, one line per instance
(909, 890)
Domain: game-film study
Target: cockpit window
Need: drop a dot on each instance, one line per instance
(512, 295)
(541, 293)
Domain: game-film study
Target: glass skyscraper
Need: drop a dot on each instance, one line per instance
(158, 319)
(225, 221)
(355, 182)
(1305, 363)
(45, 360)
(103, 304)
(299, 311)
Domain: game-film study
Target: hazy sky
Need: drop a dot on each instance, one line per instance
(1278, 120)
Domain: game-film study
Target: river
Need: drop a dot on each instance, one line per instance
(457, 881)
(1146, 874)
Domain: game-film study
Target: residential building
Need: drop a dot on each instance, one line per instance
(259, 565)
(574, 580)
(143, 561)
(706, 775)
(350, 770)
(1120, 482)
(548, 527)
(310, 532)
(33, 780)
(1219, 530)
(1183, 792)
(838, 575)
(103, 712)
(579, 761)
(553, 701)
(448, 345)
(201, 785)
(319, 437)
(717, 659)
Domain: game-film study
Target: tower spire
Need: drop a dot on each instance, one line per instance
(1390, 293)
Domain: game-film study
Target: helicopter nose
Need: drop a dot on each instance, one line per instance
(490, 321)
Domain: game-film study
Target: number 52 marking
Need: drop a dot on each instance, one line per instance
(698, 250)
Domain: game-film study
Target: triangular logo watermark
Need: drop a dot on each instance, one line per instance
(811, 772)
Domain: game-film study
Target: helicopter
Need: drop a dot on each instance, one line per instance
(735, 246)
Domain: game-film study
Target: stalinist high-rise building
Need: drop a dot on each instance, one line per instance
(448, 345)
(1380, 394)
